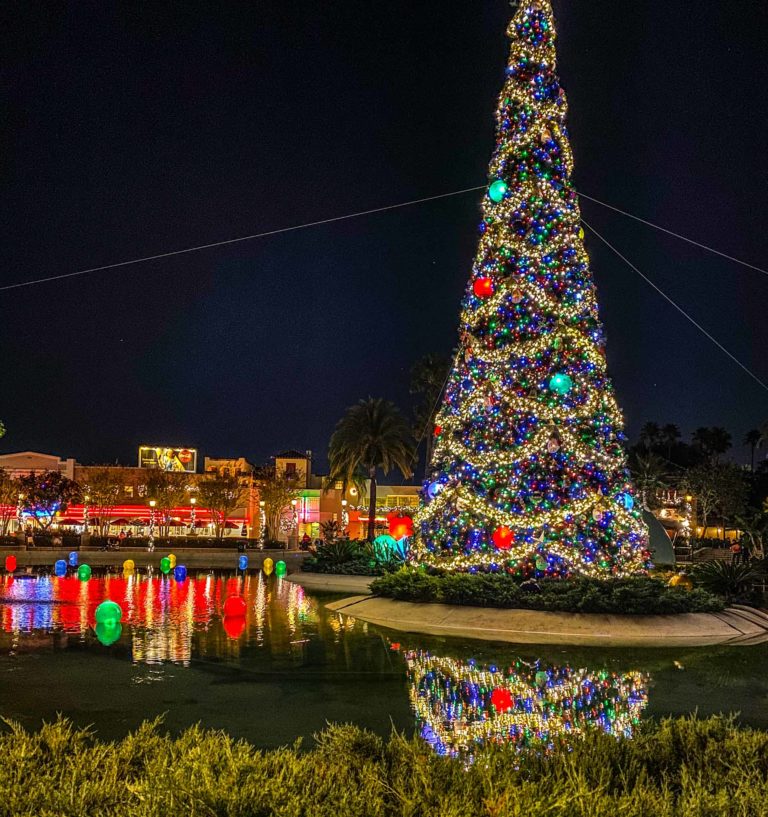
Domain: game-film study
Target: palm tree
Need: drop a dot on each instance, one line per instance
(648, 474)
(670, 434)
(754, 439)
(711, 442)
(650, 435)
(428, 378)
(371, 435)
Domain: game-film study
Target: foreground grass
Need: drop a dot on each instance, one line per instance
(635, 596)
(696, 768)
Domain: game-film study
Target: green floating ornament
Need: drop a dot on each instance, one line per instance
(165, 565)
(109, 613)
(108, 635)
(84, 573)
(560, 384)
(281, 569)
(497, 190)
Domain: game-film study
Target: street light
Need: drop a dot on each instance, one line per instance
(151, 543)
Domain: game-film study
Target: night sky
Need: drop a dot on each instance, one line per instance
(133, 129)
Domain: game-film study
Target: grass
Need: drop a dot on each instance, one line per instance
(636, 596)
(680, 767)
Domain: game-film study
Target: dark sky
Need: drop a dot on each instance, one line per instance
(137, 128)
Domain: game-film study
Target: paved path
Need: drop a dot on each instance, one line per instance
(735, 625)
(332, 583)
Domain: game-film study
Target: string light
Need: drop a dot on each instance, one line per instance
(529, 473)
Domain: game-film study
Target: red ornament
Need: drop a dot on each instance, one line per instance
(234, 626)
(438, 431)
(483, 287)
(503, 538)
(10, 563)
(400, 525)
(501, 700)
(235, 607)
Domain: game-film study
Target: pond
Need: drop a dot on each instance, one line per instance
(290, 666)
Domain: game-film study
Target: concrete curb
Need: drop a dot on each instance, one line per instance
(333, 583)
(732, 626)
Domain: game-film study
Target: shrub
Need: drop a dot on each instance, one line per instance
(677, 768)
(728, 579)
(352, 557)
(635, 596)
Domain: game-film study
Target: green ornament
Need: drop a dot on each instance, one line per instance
(108, 635)
(561, 384)
(165, 565)
(108, 613)
(497, 190)
(84, 573)
(281, 569)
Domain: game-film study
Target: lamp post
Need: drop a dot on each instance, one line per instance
(344, 515)
(262, 524)
(151, 543)
(295, 520)
(20, 512)
(192, 514)
(86, 509)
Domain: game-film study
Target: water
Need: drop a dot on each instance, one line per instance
(291, 666)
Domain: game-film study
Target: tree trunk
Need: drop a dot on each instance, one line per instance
(372, 506)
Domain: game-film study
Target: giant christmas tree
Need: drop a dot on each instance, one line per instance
(528, 473)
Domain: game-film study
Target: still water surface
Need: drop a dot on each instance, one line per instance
(290, 666)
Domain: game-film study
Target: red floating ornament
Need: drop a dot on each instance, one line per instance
(501, 700)
(10, 563)
(503, 538)
(400, 525)
(235, 607)
(483, 287)
(234, 626)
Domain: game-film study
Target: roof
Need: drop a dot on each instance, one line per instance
(292, 454)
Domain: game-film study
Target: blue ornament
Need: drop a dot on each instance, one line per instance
(73, 559)
(434, 489)
(561, 384)
(626, 500)
(60, 568)
(242, 562)
(180, 573)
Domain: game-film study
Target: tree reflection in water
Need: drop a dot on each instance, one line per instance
(462, 705)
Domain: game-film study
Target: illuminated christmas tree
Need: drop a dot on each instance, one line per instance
(529, 472)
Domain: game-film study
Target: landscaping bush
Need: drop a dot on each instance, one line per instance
(635, 596)
(678, 768)
(352, 558)
(733, 581)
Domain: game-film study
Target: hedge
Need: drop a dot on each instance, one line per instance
(678, 768)
(636, 596)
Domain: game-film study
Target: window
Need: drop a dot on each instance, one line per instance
(128, 490)
(290, 469)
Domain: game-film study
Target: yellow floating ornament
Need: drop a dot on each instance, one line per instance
(268, 566)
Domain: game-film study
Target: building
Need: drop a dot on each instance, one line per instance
(25, 462)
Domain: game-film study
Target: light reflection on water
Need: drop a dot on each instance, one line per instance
(290, 666)
(463, 705)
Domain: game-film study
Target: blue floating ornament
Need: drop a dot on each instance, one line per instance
(560, 384)
(180, 573)
(60, 568)
(497, 190)
(73, 559)
(242, 562)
